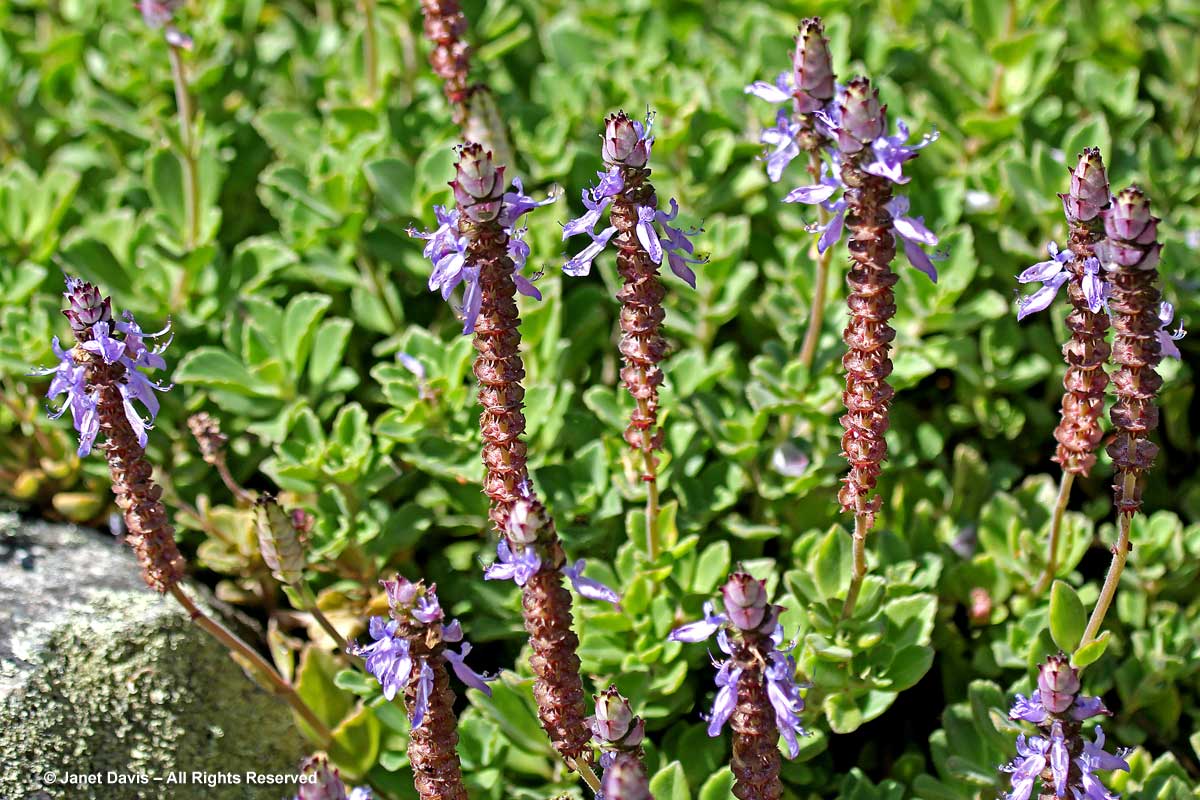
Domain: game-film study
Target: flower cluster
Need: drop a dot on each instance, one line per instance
(446, 246)
(627, 144)
(1061, 758)
(391, 657)
(809, 88)
(518, 559)
(1053, 274)
(122, 344)
(750, 634)
(324, 783)
(829, 193)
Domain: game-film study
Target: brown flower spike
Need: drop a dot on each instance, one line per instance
(138, 496)
(445, 26)
(871, 304)
(1087, 351)
(515, 510)
(1130, 256)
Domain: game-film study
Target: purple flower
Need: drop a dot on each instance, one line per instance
(1052, 274)
(822, 194)
(726, 699)
(1167, 339)
(427, 609)
(1026, 767)
(892, 151)
(1030, 710)
(781, 144)
(595, 206)
(387, 658)
(581, 264)
(446, 248)
(586, 587)
(701, 630)
(913, 234)
(424, 689)
(70, 377)
(468, 676)
(324, 783)
(784, 694)
(774, 93)
(161, 14)
(517, 567)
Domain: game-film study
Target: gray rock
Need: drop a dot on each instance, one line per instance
(103, 680)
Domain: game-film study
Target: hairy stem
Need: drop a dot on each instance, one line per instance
(1120, 555)
(188, 159)
(370, 50)
(585, 771)
(235, 645)
(1064, 495)
(862, 526)
(310, 603)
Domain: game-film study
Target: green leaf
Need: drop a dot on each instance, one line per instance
(215, 368)
(1067, 616)
(300, 321)
(719, 786)
(712, 567)
(316, 687)
(164, 180)
(391, 180)
(1091, 652)
(831, 569)
(670, 783)
(356, 743)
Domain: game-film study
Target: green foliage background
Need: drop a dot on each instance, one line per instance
(289, 316)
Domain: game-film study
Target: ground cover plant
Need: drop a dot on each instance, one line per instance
(523, 514)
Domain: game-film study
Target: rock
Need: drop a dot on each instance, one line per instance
(103, 680)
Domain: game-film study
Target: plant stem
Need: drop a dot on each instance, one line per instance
(995, 102)
(370, 50)
(1120, 554)
(861, 529)
(589, 777)
(191, 179)
(1064, 495)
(239, 647)
(653, 546)
(816, 314)
(310, 601)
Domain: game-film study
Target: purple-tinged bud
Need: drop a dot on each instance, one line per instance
(525, 522)
(478, 183)
(1131, 230)
(862, 118)
(614, 725)
(626, 779)
(812, 68)
(745, 601)
(1089, 187)
(86, 306)
(401, 593)
(625, 141)
(1058, 683)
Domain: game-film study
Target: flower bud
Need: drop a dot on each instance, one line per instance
(626, 780)
(478, 183)
(86, 306)
(614, 723)
(625, 141)
(278, 541)
(1089, 187)
(862, 117)
(1131, 230)
(745, 601)
(526, 522)
(812, 68)
(401, 592)
(1058, 683)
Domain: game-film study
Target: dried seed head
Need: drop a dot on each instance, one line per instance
(812, 68)
(207, 432)
(1058, 683)
(862, 116)
(278, 540)
(614, 725)
(1089, 187)
(478, 183)
(86, 306)
(625, 141)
